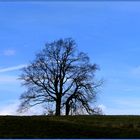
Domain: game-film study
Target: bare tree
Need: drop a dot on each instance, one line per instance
(60, 75)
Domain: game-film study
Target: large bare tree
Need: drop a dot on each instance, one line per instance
(60, 75)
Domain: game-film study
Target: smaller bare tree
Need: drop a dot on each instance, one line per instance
(84, 89)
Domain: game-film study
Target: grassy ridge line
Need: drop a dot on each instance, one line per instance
(70, 127)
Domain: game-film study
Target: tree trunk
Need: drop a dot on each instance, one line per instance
(58, 108)
(67, 109)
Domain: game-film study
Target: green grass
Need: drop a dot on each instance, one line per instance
(70, 127)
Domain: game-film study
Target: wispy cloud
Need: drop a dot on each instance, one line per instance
(12, 68)
(9, 52)
(127, 106)
(136, 71)
(8, 79)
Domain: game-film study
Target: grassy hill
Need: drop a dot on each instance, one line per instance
(70, 127)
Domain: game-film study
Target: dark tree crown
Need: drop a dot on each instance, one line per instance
(62, 76)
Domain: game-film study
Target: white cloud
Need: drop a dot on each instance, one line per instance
(103, 107)
(10, 108)
(123, 111)
(127, 106)
(9, 52)
(12, 68)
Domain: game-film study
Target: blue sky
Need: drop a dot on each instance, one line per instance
(108, 31)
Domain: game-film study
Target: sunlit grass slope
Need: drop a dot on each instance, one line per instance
(70, 127)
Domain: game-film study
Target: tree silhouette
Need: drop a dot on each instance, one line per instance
(60, 75)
